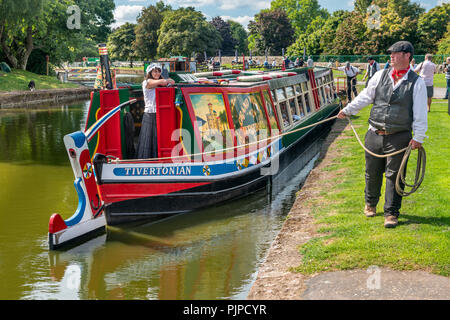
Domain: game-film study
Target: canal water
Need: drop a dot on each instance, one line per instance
(209, 254)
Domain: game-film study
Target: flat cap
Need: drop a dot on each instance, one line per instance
(402, 46)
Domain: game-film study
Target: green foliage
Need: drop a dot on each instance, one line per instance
(301, 13)
(240, 35)
(229, 43)
(271, 30)
(185, 31)
(29, 24)
(120, 42)
(432, 27)
(148, 23)
(444, 44)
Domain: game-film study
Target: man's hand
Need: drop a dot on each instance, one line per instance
(415, 145)
(341, 115)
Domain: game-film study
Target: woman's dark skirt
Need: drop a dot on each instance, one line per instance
(148, 142)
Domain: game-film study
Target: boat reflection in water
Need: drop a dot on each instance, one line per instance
(209, 254)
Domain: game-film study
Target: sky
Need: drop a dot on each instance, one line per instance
(241, 11)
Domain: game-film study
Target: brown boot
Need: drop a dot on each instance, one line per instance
(390, 221)
(370, 211)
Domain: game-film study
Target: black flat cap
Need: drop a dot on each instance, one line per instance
(402, 46)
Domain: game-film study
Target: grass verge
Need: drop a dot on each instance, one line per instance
(348, 240)
(18, 80)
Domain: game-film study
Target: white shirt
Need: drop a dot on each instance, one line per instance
(420, 113)
(310, 63)
(427, 70)
(350, 72)
(149, 98)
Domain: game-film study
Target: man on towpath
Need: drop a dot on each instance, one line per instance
(399, 98)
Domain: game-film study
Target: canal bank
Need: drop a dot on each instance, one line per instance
(25, 99)
(278, 278)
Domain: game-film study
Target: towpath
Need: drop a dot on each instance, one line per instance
(275, 281)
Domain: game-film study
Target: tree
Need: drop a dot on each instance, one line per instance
(18, 24)
(361, 6)
(240, 36)
(432, 27)
(301, 13)
(120, 43)
(96, 18)
(43, 24)
(185, 31)
(228, 42)
(272, 30)
(148, 23)
(398, 21)
(444, 44)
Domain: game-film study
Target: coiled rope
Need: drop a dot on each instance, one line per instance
(401, 176)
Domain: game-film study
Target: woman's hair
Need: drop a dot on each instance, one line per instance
(149, 76)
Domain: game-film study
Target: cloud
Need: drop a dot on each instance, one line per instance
(244, 20)
(222, 4)
(123, 14)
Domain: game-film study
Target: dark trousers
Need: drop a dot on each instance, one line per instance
(375, 167)
(148, 141)
(448, 86)
(351, 86)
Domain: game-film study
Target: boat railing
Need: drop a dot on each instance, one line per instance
(90, 133)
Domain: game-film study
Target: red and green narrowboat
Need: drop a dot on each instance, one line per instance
(221, 135)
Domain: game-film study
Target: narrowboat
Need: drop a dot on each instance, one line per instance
(221, 135)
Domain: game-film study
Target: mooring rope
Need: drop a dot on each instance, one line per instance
(226, 149)
(420, 167)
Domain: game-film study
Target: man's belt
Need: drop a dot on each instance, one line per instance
(383, 132)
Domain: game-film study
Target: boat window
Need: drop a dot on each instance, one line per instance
(273, 120)
(298, 89)
(284, 113)
(294, 113)
(290, 91)
(274, 96)
(304, 86)
(249, 118)
(280, 94)
(212, 120)
(307, 103)
(301, 106)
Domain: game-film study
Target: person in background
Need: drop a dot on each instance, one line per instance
(387, 65)
(301, 62)
(310, 62)
(413, 64)
(148, 143)
(351, 72)
(399, 103)
(426, 70)
(447, 75)
(372, 68)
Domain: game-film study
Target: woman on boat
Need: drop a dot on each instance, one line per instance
(148, 143)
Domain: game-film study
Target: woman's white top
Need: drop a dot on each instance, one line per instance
(149, 98)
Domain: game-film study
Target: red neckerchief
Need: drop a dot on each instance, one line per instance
(398, 74)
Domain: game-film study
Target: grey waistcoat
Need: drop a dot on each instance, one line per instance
(392, 109)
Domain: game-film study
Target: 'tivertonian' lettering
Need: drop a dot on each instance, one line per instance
(153, 171)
